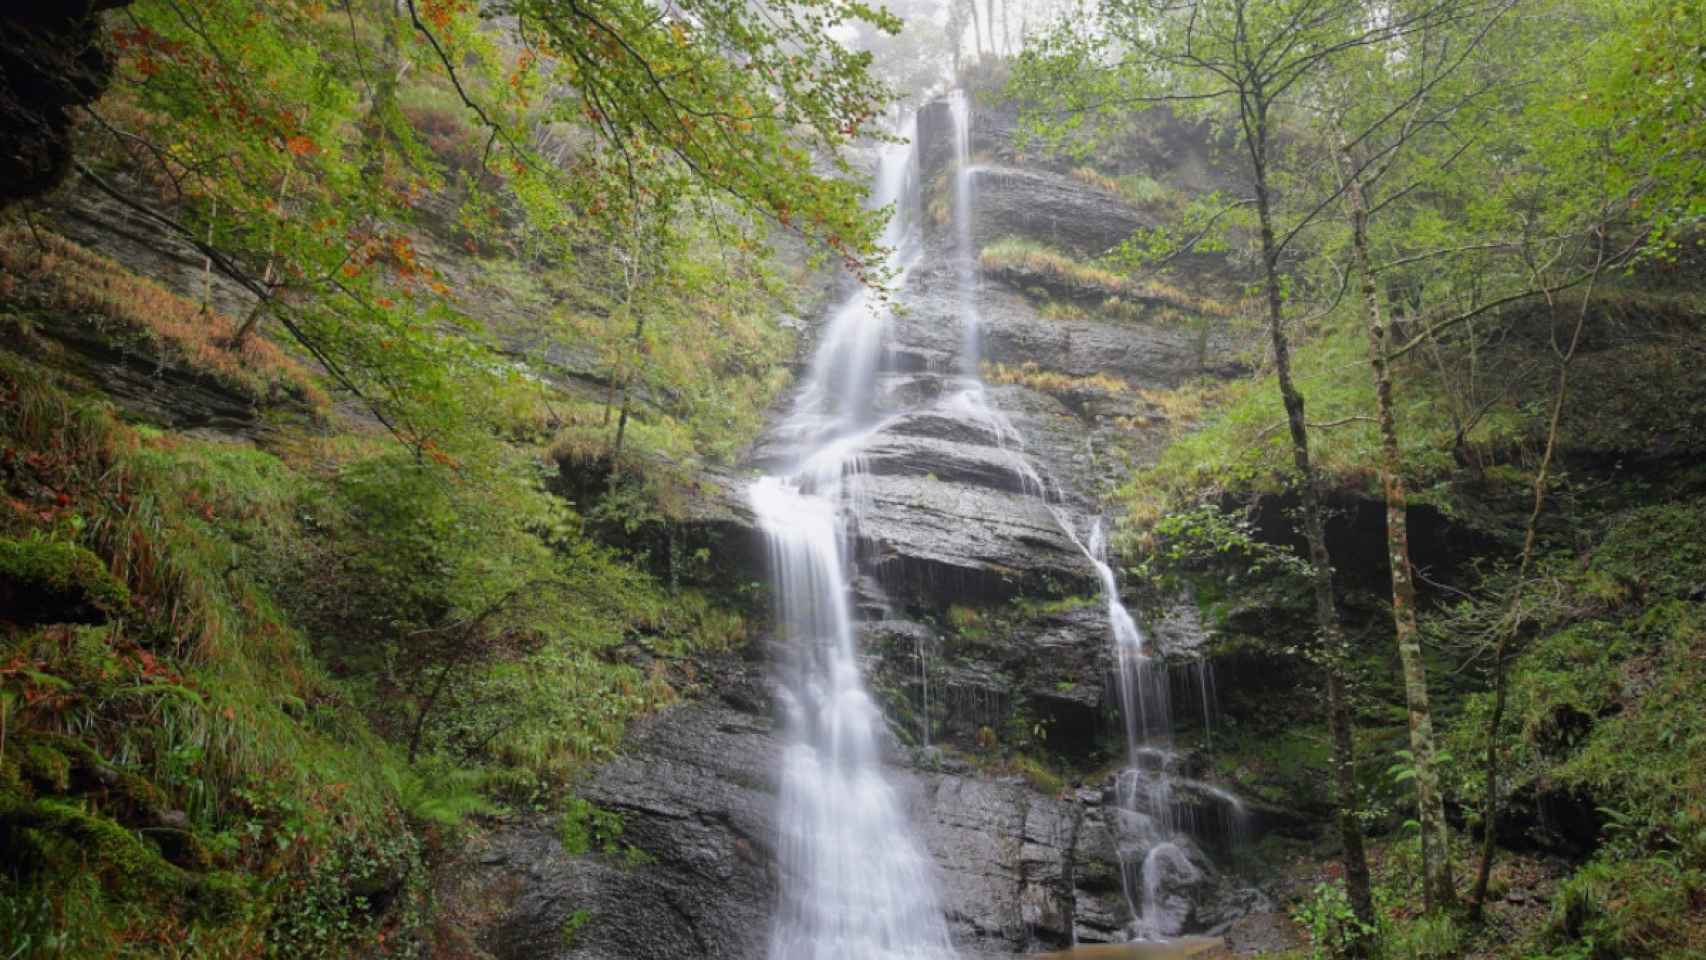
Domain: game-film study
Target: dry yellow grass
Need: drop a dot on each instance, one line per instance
(59, 275)
(1183, 406)
(1035, 260)
(1098, 179)
(1028, 374)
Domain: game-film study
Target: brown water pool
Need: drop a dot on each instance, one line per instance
(1201, 947)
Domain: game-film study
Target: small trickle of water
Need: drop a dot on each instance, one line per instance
(965, 252)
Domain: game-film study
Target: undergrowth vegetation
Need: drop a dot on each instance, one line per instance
(1462, 418)
(46, 278)
(245, 694)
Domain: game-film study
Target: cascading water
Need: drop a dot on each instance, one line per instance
(855, 883)
(1152, 842)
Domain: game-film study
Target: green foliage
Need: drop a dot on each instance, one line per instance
(1605, 675)
(573, 923)
(1037, 773)
(1641, 908)
(1205, 537)
(199, 702)
(587, 828)
(1333, 928)
(439, 794)
(1646, 93)
(1435, 936)
(1604, 702)
(170, 756)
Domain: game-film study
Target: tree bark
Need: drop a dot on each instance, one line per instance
(1438, 890)
(631, 272)
(1357, 885)
(254, 317)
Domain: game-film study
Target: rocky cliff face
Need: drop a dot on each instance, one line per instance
(979, 633)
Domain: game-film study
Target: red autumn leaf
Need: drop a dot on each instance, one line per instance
(301, 146)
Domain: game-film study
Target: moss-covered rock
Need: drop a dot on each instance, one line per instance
(48, 580)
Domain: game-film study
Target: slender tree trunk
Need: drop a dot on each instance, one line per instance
(206, 262)
(254, 317)
(610, 391)
(616, 447)
(1438, 890)
(255, 312)
(627, 384)
(426, 706)
(1315, 533)
(976, 28)
(631, 267)
(1512, 624)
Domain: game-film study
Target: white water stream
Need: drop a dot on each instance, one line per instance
(856, 884)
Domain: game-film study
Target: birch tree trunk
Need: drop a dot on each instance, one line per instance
(1438, 890)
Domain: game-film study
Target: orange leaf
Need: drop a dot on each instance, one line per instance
(301, 146)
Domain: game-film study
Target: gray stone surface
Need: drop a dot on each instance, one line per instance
(695, 788)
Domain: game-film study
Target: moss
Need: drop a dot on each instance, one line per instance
(1635, 395)
(97, 840)
(221, 898)
(41, 564)
(1037, 774)
(1035, 264)
(46, 766)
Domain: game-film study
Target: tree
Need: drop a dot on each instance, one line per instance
(1394, 107)
(236, 115)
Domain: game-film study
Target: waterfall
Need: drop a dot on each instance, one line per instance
(856, 885)
(1154, 863)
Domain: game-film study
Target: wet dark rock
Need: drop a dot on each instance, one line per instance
(894, 453)
(948, 518)
(925, 538)
(695, 788)
(1050, 208)
(52, 60)
(1143, 352)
